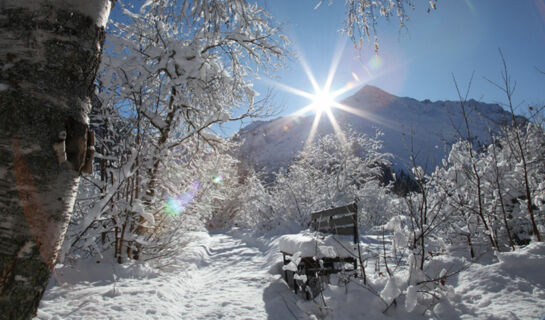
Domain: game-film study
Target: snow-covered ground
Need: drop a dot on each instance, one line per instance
(219, 276)
(233, 275)
(513, 288)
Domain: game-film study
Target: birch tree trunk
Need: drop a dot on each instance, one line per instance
(49, 54)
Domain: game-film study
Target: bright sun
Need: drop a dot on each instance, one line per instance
(322, 101)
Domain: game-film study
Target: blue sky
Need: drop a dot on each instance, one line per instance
(460, 37)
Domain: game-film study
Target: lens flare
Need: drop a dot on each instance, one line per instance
(471, 7)
(176, 205)
(355, 76)
(375, 63)
(540, 5)
(173, 207)
(290, 122)
(217, 179)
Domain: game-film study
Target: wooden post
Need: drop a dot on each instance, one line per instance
(356, 233)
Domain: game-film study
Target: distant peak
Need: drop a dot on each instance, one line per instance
(372, 93)
(372, 90)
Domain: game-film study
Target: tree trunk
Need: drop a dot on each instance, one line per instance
(49, 54)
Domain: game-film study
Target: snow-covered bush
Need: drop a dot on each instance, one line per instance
(493, 210)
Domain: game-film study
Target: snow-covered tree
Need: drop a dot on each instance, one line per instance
(490, 214)
(520, 146)
(329, 173)
(184, 67)
(363, 16)
(170, 73)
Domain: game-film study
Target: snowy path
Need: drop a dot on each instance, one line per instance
(222, 277)
(232, 284)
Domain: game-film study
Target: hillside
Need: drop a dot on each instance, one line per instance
(425, 127)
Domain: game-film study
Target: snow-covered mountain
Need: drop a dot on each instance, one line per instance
(423, 128)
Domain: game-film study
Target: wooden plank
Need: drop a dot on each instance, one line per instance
(335, 211)
(340, 231)
(327, 221)
(345, 231)
(341, 221)
(330, 228)
(334, 222)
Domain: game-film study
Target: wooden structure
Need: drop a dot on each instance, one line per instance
(338, 221)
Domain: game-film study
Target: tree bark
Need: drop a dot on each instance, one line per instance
(49, 54)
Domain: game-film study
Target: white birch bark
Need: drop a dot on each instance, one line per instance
(49, 53)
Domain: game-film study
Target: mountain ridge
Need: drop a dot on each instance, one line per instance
(425, 129)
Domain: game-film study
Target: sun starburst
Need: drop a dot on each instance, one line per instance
(323, 99)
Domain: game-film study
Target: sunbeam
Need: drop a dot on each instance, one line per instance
(313, 130)
(367, 115)
(336, 127)
(309, 73)
(333, 67)
(294, 90)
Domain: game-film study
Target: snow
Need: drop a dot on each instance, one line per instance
(310, 244)
(217, 276)
(512, 288)
(138, 207)
(25, 249)
(294, 262)
(235, 274)
(410, 299)
(390, 291)
(155, 119)
(20, 278)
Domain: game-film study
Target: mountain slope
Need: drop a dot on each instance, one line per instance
(424, 129)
